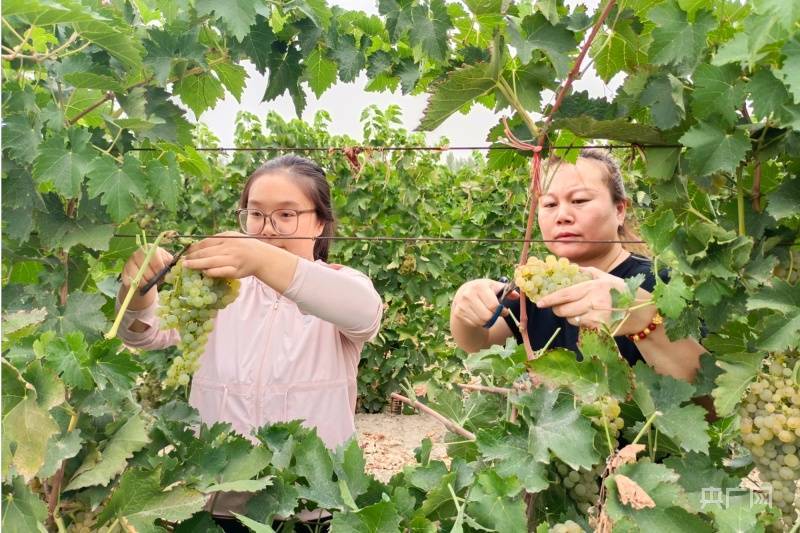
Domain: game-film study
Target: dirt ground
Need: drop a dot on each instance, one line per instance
(389, 440)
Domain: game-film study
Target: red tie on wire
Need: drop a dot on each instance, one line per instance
(514, 141)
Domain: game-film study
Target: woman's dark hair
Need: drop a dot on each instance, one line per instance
(311, 178)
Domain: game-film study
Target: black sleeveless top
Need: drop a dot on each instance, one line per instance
(543, 322)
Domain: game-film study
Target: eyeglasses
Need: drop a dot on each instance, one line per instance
(284, 221)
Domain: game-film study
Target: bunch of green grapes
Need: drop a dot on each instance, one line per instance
(566, 527)
(583, 486)
(190, 307)
(83, 522)
(539, 278)
(148, 390)
(770, 429)
(610, 410)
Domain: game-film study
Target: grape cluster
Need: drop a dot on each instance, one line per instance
(148, 391)
(539, 278)
(610, 409)
(83, 522)
(770, 429)
(566, 527)
(583, 486)
(190, 306)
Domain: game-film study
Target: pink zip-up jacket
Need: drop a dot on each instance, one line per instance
(273, 358)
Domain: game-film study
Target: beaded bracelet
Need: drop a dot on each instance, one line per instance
(657, 319)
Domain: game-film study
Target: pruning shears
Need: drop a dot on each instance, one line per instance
(163, 272)
(509, 287)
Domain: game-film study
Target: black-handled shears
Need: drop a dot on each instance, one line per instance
(509, 287)
(163, 272)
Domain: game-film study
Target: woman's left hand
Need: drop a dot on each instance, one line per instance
(585, 304)
(223, 257)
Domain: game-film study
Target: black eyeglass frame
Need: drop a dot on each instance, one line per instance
(243, 226)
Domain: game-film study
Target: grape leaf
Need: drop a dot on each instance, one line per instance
(460, 88)
(557, 427)
(199, 91)
(164, 181)
(664, 96)
(349, 57)
(779, 333)
(712, 149)
(27, 428)
(23, 511)
(685, 425)
(99, 469)
(620, 49)
(672, 297)
(560, 367)
(676, 41)
(379, 517)
(165, 47)
(350, 468)
(59, 448)
(140, 499)
(116, 185)
(281, 498)
(535, 32)
(284, 74)
(618, 129)
(320, 72)
(125, 47)
(257, 44)
(428, 29)
(768, 93)
(237, 15)
(718, 92)
(507, 446)
(790, 71)
(82, 313)
(232, 76)
(783, 201)
(496, 503)
(313, 462)
(21, 138)
(65, 167)
(50, 391)
(660, 483)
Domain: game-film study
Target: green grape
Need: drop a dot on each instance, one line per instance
(539, 278)
(770, 417)
(190, 306)
(566, 527)
(582, 486)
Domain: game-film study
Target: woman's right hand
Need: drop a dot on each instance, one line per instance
(160, 259)
(476, 301)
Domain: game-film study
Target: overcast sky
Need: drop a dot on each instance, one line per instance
(345, 102)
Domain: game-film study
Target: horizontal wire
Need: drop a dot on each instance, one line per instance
(388, 238)
(403, 148)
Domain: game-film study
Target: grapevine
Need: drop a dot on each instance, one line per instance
(771, 429)
(539, 278)
(190, 307)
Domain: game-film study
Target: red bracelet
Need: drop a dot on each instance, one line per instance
(657, 319)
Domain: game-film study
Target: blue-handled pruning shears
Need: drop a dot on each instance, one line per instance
(501, 297)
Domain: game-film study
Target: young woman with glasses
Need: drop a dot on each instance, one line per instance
(583, 202)
(288, 347)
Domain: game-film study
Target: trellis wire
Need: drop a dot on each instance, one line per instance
(387, 238)
(365, 148)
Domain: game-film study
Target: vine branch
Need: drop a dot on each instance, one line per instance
(446, 422)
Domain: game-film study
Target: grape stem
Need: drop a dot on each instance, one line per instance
(111, 333)
(608, 435)
(646, 426)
